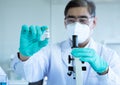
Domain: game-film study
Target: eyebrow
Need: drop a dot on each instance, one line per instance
(70, 16)
(82, 17)
(76, 17)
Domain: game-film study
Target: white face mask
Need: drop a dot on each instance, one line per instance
(81, 30)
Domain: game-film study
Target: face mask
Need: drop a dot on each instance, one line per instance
(81, 30)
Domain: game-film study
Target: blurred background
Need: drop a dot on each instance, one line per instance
(14, 13)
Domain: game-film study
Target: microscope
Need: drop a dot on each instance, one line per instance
(75, 67)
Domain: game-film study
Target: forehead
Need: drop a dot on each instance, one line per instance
(78, 11)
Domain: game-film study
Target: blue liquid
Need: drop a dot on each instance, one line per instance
(3, 83)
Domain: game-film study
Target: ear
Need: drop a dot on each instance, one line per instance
(94, 23)
(65, 24)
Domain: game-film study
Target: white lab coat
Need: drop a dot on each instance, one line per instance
(52, 61)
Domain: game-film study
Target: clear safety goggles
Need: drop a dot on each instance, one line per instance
(81, 19)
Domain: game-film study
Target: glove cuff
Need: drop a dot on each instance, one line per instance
(105, 72)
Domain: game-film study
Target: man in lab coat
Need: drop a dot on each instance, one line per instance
(37, 59)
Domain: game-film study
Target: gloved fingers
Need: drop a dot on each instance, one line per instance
(82, 52)
(85, 50)
(44, 28)
(86, 59)
(79, 54)
(24, 30)
(38, 32)
(32, 31)
(43, 42)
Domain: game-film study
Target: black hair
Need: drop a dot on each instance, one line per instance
(81, 3)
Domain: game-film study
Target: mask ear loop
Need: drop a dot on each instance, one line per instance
(91, 32)
(90, 24)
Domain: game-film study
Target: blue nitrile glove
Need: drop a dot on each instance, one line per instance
(89, 55)
(30, 39)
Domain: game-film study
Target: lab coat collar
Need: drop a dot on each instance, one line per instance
(92, 44)
(68, 44)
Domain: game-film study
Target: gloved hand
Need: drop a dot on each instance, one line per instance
(89, 55)
(30, 39)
